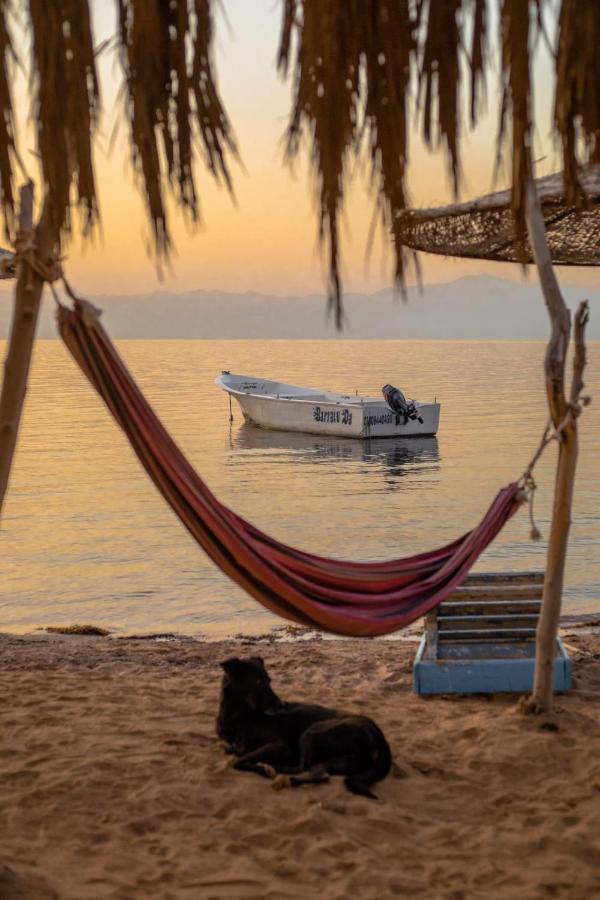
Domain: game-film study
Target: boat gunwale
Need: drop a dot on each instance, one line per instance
(358, 403)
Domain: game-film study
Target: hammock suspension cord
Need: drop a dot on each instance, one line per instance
(551, 433)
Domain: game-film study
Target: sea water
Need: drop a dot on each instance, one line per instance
(86, 538)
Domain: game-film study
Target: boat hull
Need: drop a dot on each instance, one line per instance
(337, 419)
(326, 414)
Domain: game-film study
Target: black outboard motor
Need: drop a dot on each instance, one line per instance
(398, 403)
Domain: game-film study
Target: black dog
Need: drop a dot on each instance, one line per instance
(304, 742)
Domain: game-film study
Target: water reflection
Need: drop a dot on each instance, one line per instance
(396, 457)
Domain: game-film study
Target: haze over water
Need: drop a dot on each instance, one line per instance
(86, 537)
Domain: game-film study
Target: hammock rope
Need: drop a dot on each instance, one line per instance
(359, 599)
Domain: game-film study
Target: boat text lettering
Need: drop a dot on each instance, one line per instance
(383, 419)
(343, 416)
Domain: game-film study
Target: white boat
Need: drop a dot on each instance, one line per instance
(287, 407)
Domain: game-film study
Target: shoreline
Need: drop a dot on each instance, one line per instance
(584, 623)
(113, 784)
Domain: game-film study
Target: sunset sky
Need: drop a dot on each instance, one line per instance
(266, 239)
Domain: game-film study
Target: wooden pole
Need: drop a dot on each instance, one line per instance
(28, 294)
(554, 367)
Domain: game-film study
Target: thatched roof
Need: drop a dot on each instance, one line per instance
(483, 228)
(169, 96)
(362, 71)
(363, 68)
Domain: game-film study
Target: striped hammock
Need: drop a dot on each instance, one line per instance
(358, 599)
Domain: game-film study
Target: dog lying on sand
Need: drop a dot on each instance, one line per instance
(295, 743)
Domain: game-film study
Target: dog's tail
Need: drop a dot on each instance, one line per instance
(381, 763)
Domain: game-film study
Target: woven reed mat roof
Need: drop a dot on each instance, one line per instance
(483, 228)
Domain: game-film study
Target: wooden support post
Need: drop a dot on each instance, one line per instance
(28, 294)
(554, 367)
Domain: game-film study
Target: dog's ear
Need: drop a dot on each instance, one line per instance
(260, 661)
(230, 666)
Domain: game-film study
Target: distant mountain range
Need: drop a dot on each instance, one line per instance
(475, 307)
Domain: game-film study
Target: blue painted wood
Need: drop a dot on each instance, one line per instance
(486, 668)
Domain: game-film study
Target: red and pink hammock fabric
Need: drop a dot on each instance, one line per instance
(359, 599)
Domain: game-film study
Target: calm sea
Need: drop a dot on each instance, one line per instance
(86, 538)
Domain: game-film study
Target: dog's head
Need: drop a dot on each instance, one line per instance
(246, 681)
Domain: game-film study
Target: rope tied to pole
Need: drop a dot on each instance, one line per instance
(551, 433)
(49, 270)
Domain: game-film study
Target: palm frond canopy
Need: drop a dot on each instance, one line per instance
(483, 228)
(361, 70)
(170, 103)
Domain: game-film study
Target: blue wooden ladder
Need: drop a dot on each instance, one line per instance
(482, 639)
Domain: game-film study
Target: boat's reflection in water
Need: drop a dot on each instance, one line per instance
(395, 457)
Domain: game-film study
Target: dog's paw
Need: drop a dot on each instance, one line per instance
(269, 771)
(280, 782)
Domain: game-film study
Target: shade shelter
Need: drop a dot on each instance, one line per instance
(484, 228)
(559, 232)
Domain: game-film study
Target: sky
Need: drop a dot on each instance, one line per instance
(265, 239)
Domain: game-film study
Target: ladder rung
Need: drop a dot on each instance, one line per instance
(482, 623)
(491, 634)
(504, 577)
(491, 607)
(498, 592)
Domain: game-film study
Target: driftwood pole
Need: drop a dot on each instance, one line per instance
(28, 294)
(560, 406)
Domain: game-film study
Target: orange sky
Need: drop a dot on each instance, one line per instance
(266, 241)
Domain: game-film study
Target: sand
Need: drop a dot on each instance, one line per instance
(113, 784)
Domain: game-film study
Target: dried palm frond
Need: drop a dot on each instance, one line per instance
(66, 106)
(7, 130)
(478, 57)
(171, 98)
(215, 128)
(577, 92)
(388, 44)
(440, 77)
(516, 102)
(326, 102)
(351, 79)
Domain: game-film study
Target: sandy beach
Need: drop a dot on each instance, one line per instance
(113, 784)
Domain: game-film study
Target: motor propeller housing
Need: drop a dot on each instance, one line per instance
(398, 403)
